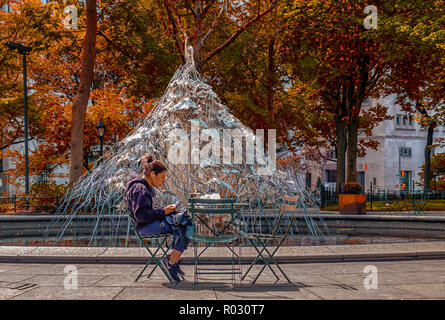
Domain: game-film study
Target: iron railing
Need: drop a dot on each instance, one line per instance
(28, 204)
(330, 197)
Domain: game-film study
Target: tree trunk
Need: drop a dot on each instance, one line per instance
(355, 98)
(270, 82)
(341, 154)
(429, 142)
(352, 152)
(427, 171)
(80, 102)
(197, 36)
(342, 138)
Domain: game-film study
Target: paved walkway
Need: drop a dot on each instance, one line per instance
(384, 271)
(416, 279)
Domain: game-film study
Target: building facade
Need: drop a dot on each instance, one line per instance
(397, 162)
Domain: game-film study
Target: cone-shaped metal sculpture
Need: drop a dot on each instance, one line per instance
(205, 149)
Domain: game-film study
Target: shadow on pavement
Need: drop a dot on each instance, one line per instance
(221, 286)
(258, 287)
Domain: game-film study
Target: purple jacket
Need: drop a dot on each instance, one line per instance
(139, 201)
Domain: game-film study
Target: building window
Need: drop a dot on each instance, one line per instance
(361, 178)
(405, 152)
(404, 121)
(331, 176)
(332, 154)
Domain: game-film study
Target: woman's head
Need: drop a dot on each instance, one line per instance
(155, 172)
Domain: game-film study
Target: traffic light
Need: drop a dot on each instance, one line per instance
(403, 173)
(403, 186)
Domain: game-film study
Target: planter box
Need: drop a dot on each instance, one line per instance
(352, 204)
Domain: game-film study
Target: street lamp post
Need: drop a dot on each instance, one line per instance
(24, 50)
(400, 170)
(101, 133)
(435, 182)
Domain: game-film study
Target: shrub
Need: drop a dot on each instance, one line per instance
(352, 188)
(45, 195)
(48, 189)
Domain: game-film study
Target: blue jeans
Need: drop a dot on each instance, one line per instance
(181, 242)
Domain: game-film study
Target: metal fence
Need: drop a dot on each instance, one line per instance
(330, 197)
(17, 204)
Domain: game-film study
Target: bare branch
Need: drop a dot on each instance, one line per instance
(272, 5)
(177, 17)
(214, 24)
(111, 43)
(172, 20)
(12, 140)
(208, 6)
(190, 7)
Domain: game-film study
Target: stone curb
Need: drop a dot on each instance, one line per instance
(138, 256)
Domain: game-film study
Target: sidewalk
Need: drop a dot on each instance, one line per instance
(402, 271)
(286, 254)
(414, 279)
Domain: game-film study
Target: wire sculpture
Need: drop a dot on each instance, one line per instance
(93, 212)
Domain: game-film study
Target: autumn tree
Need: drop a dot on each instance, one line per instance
(11, 77)
(134, 48)
(81, 99)
(345, 63)
(25, 22)
(238, 49)
(197, 22)
(351, 63)
(417, 74)
(437, 167)
(251, 77)
(54, 79)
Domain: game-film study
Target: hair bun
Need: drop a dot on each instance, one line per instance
(148, 164)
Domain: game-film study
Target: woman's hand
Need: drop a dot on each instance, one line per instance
(169, 209)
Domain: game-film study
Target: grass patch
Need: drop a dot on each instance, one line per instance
(431, 205)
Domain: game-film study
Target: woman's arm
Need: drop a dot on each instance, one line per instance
(142, 206)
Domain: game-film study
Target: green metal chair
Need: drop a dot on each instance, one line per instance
(391, 201)
(418, 200)
(159, 240)
(280, 231)
(212, 230)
